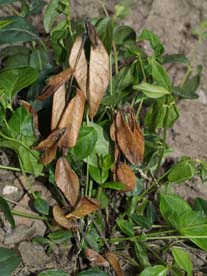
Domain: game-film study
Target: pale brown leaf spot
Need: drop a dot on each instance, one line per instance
(59, 217)
(125, 175)
(84, 207)
(95, 258)
(67, 180)
(113, 260)
(58, 106)
(98, 77)
(78, 62)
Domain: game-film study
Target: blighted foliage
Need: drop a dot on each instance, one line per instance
(109, 105)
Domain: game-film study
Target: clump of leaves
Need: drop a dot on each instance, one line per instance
(105, 106)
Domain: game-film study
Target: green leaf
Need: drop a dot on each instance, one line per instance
(60, 236)
(85, 144)
(19, 30)
(9, 260)
(41, 206)
(203, 170)
(182, 171)
(175, 58)
(141, 220)
(14, 80)
(53, 273)
(182, 260)
(41, 240)
(159, 74)
(141, 254)
(92, 272)
(125, 227)
(4, 207)
(4, 2)
(39, 60)
(50, 15)
(104, 28)
(124, 35)
(113, 185)
(151, 90)
(201, 205)
(157, 270)
(99, 175)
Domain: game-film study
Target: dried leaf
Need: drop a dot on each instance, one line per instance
(30, 109)
(112, 132)
(67, 180)
(125, 175)
(98, 77)
(58, 106)
(59, 217)
(71, 120)
(49, 154)
(95, 257)
(113, 260)
(84, 207)
(78, 62)
(55, 82)
(131, 143)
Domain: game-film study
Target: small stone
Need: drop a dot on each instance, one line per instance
(20, 233)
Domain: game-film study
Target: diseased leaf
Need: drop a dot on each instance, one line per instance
(71, 120)
(95, 258)
(113, 260)
(67, 180)
(125, 175)
(59, 217)
(98, 77)
(58, 106)
(84, 207)
(78, 62)
(4, 207)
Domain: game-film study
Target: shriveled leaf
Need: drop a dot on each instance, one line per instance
(58, 106)
(113, 260)
(78, 62)
(84, 207)
(71, 120)
(112, 132)
(95, 257)
(67, 180)
(54, 83)
(98, 76)
(126, 176)
(59, 217)
(49, 154)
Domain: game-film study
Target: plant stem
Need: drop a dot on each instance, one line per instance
(188, 72)
(15, 169)
(110, 75)
(103, 7)
(26, 215)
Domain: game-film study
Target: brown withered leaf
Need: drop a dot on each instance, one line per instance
(49, 154)
(78, 62)
(125, 175)
(59, 217)
(58, 106)
(30, 109)
(67, 180)
(71, 120)
(113, 260)
(130, 143)
(98, 76)
(84, 207)
(112, 131)
(54, 83)
(95, 258)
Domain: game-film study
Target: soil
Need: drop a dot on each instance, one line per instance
(173, 22)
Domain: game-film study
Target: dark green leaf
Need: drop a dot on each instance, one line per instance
(157, 270)
(60, 236)
(9, 260)
(85, 144)
(141, 220)
(124, 35)
(175, 58)
(53, 273)
(5, 2)
(201, 205)
(125, 227)
(104, 28)
(4, 207)
(50, 15)
(19, 30)
(41, 240)
(41, 206)
(151, 213)
(14, 80)
(39, 60)
(141, 254)
(114, 185)
(151, 90)
(36, 7)
(182, 259)
(92, 272)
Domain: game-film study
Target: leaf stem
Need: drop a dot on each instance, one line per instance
(103, 7)
(185, 77)
(26, 215)
(15, 169)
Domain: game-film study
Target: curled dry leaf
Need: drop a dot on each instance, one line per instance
(58, 106)
(71, 120)
(84, 207)
(98, 76)
(30, 109)
(130, 141)
(95, 257)
(78, 62)
(54, 83)
(125, 175)
(67, 180)
(49, 154)
(59, 217)
(112, 132)
(113, 260)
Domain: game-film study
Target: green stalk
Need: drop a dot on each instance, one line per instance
(103, 7)
(16, 169)
(26, 215)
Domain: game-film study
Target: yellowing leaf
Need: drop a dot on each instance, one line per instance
(59, 217)
(67, 180)
(58, 106)
(84, 207)
(95, 258)
(113, 260)
(98, 76)
(125, 175)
